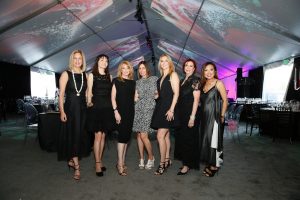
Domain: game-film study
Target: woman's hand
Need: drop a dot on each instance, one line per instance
(117, 117)
(191, 123)
(89, 104)
(170, 115)
(222, 119)
(63, 117)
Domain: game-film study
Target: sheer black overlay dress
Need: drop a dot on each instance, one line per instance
(186, 138)
(73, 140)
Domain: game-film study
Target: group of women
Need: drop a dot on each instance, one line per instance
(99, 104)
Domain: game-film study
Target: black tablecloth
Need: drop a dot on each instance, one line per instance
(48, 130)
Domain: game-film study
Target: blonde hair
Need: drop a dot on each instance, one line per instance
(171, 64)
(129, 65)
(71, 62)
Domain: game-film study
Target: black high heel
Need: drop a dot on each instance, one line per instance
(183, 173)
(168, 163)
(211, 172)
(161, 169)
(99, 173)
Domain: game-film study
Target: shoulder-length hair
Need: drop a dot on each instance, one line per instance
(71, 62)
(95, 70)
(203, 79)
(189, 60)
(171, 64)
(129, 65)
(147, 69)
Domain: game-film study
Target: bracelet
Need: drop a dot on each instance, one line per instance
(115, 109)
(192, 117)
(171, 111)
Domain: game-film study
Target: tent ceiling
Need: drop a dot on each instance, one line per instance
(232, 33)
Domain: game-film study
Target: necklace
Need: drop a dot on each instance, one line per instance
(78, 91)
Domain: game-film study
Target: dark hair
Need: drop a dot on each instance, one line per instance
(190, 60)
(95, 70)
(146, 66)
(203, 79)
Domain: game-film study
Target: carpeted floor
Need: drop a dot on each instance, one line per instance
(256, 168)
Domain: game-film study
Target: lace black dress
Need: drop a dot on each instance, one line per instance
(100, 115)
(186, 138)
(73, 140)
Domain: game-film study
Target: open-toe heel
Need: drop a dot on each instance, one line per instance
(209, 172)
(71, 164)
(76, 172)
(121, 170)
(168, 162)
(99, 173)
(161, 169)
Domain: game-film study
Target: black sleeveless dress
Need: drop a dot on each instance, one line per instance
(186, 138)
(73, 140)
(163, 104)
(100, 115)
(125, 102)
(211, 128)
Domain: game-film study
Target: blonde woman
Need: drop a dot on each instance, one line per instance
(73, 141)
(122, 98)
(165, 115)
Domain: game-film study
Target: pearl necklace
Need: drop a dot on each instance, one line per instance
(78, 91)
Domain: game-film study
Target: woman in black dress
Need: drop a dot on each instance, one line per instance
(122, 98)
(165, 114)
(213, 107)
(187, 135)
(73, 140)
(100, 115)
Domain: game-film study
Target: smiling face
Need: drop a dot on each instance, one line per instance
(164, 63)
(143, 71)
(103, 62)
(125, 71)
(209, 72)
(77, 60)
(189, 68)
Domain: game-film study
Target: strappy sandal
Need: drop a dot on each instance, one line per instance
(99, 173)
(168, 163)
(71, 164)
(121, 170)
(76, 175)
(161, 169)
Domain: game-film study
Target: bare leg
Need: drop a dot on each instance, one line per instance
(140, 145)
(147, 143)
(168, 144)
(97, 150)
(101, 149)
(121, 158)
(161, 134)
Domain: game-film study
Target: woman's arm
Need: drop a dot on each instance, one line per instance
(62, 88)
(114, 104)
(175, 87)
(89, 90)
(196, 95)
(221, 88)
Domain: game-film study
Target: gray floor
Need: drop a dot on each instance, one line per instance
(256, 168)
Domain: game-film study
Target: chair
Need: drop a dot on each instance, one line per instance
(229, 113)
(253, 117)
(233, 123)
(31, 119)
(283, 123)
(20, 108)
